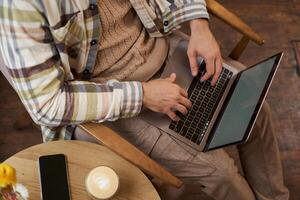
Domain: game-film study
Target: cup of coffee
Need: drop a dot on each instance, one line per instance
(102, 183)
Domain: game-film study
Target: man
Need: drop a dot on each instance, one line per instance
(87, 60)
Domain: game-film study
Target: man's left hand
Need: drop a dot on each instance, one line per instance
(202, 43)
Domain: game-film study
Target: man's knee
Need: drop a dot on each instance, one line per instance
(225, 168)
(265, 115)
(225, 179)
(226, 174)
(263, 125)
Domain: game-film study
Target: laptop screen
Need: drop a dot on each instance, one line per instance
(243, 103)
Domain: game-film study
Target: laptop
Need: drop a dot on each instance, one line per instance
(221, 115)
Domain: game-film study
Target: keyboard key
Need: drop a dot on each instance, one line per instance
(194, 125)
(207, 110)
(172, 126)
(194, 138)
(201, 110)
(194, 97)
(184, 130)
(183, 117)
(188, 136)
(191, 130)
(198, 131)
(187, 123)
(179, 114)
(173, 122)
(198, 87)
(190, 118)
(215, 94)
(195, 108)
(179, 126)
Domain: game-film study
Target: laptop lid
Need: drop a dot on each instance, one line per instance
(242, 104)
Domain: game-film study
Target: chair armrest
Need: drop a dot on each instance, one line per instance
(120, 146)
(232, 20)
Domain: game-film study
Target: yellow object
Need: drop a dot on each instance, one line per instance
(7, 176)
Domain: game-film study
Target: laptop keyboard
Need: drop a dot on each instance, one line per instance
(204, 100)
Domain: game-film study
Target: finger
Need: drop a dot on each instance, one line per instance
(171, 78)
(183, 92)
(173, 116)
(185, 102)
(210, 69)
(181, 109)
(218, 69)
(193, 63)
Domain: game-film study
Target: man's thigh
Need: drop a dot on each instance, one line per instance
(180, 159)
(137, 131)
(189, 164)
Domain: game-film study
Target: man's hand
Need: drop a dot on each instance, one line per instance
(203, 43)
(164, 96)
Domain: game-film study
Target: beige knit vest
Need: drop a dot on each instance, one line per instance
(126, 52)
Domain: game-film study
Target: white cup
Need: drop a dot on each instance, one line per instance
(102, 183)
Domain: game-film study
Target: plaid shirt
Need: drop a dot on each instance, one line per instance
(44, 42)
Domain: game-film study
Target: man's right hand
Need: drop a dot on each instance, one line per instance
(165, 96)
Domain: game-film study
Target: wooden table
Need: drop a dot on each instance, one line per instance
(82, 157)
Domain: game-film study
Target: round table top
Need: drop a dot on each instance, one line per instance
(82, 157)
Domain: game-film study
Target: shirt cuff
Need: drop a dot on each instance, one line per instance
(132, 99)
(172, 18)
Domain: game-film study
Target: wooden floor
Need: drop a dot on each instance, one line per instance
(279, 22)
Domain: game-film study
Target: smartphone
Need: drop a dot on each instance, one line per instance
(54, 177)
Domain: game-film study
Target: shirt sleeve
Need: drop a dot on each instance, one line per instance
(39, 79)
(173, 13)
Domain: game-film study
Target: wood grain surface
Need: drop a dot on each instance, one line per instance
(82, 157)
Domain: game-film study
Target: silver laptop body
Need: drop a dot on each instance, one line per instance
(179, 64)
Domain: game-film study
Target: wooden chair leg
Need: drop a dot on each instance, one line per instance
(120, 146)
(239, 48)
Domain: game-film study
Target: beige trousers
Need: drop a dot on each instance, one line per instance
(214, 172)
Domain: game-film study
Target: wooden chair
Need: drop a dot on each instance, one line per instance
(123, 148)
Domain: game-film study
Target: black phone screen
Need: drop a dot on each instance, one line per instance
(54, 178)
